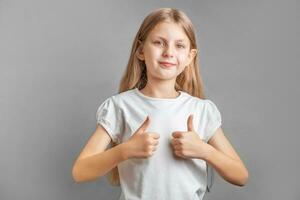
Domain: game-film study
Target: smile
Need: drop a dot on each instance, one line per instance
(167, 64)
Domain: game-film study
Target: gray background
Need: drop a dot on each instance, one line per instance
(60, 59)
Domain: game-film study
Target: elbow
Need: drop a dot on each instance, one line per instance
(76, 174)
(243, 178)
(80, 173)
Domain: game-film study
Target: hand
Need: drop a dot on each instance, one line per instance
(142, 144)
(189, 144)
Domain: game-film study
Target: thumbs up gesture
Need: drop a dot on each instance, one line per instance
(189, 144)
(142, 144)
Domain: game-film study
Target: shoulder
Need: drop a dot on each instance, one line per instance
(117, 99)
(204, 104)
(209, 103)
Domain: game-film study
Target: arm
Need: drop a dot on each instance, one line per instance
(222, 156)
(94, 161)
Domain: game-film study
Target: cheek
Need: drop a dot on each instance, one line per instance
(182, 58)
(152, 55)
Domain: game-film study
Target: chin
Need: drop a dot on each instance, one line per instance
(164, 74)
(166, 77)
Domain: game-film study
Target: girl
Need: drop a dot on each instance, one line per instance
(163, 130)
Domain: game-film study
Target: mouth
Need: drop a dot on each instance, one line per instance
(167, 64)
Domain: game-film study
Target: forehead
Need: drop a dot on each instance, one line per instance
(168, 31)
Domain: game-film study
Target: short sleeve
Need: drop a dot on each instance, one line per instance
(214, 120)
(110, 117)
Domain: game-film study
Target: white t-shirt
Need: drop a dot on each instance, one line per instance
(162, 176)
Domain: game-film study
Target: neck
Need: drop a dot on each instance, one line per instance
(160, 89)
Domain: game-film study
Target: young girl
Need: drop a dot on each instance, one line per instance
(163, 130)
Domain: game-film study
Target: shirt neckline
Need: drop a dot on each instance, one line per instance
(137, 91)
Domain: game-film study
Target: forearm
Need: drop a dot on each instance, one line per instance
(230, 169)
(98, 165)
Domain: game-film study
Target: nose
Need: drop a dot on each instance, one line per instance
(168, 51)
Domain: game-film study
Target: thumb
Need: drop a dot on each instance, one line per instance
(144, 125)
(190, 124)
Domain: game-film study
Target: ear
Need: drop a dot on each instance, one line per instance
(140, 52)
(191, 56)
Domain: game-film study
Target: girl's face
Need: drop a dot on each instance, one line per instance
(166, 51)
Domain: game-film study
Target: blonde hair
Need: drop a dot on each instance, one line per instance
(135, 75)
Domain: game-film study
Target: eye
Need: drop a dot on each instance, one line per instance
(181, 46)
(157, 42)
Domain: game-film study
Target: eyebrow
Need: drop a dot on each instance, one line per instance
(179, 40)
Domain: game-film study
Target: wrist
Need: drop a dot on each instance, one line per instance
(208, 153)
(124, 151)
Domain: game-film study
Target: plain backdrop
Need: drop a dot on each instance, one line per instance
(61, 59)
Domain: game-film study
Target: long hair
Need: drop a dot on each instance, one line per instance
(189, 80)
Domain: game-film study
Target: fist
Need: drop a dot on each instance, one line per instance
(188, 144)
(142, 144)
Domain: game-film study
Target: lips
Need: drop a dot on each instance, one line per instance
(167, 64)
